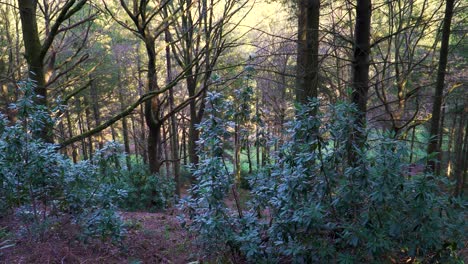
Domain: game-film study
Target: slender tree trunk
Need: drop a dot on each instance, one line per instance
(463, 163)
(413, 138)
(126, 140)
(70, 134)
(439, 89)
(135, 139)
(88, 126)
(143, 138)
(308, 50)
(237, 154)
(96, 110)
(194, 135)
(360, 68)
(450, 145)
(173, 125)
(80, 127)
(113, 133)
(461, 155)
(257, 134)
(301, 51)
(265, 155)
(124, 120)
(166, 138)
(440, 140)
(249, 158)
(184, 143)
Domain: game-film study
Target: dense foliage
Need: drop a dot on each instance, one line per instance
(311, 206)
(145, 191)
(211, 219)
(45, 188)
(242, 105)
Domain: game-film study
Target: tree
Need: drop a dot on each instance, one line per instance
(35, 51)
(435, 130)
(143, 16)
(307, 50)
(10, 57)
(402, 63)
(203, 29)
(360, 75)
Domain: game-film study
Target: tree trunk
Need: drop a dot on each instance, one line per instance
(84, 150)
(194, 135)
(257, 133)
(142, 141)
(439, 89)
(440, 140)
(124, 120)
(70, 134)
(173, 126)
(184, 143)
(113, 133)
(33, 47)
(360, 68)
(307, 50)
(96, 111)
(461, 155)
(165, 138)
(88, 125)
(249, 157)
(237, 154)
(451, 145)
(413, 138)
(135, 140)
(151, 113)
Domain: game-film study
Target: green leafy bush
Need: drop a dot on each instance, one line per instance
(145, 191)
(311, 206)
(44, 186)
(209, 216)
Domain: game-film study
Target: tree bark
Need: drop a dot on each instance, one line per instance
(88, 125)
(35, 51)
(96, 110)
(461, 155)
(141, 112)
(439, 89)
(237, 153)
(360, 71)
(174, 130)
(70, 134)
(152, 112)
(194, 135)
(33, 47)
(307, 50)
(124, 120)
(249, 157)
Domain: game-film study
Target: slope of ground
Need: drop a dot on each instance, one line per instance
(151, 238)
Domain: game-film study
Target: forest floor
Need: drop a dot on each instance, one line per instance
(150, 238)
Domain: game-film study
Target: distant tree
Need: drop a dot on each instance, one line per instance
(435, 130)
(403, 63)
(10, 56)
(204, 29)
(143, 23)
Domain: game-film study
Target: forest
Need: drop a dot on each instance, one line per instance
(233, 131)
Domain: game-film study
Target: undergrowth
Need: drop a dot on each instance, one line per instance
(311, 206)
(45, 189)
